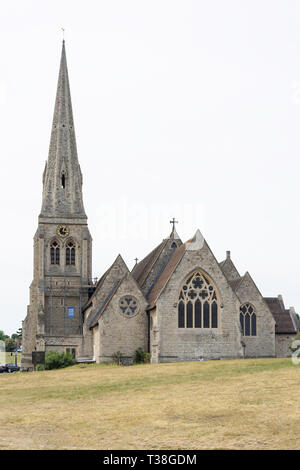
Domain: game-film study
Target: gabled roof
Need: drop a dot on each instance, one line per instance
(283, 319)
(94, 320)
(97, 287)
(142, 270)
(148, 265)
(229, 269)
(118, 262)
(165, 275)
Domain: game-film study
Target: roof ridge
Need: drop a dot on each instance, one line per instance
(161, 282)
(142, 269)
(161, 270)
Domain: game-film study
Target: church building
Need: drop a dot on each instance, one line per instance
(179, 303)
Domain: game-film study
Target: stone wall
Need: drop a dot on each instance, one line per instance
(282, 342)
(263, 344)
(57, 287)
(60, 343)
(182, 344)
(118, 332)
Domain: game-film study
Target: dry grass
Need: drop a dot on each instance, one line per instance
(251, 404)
(10, 357)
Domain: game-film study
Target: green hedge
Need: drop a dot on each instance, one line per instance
(56, 360)
(141, 356)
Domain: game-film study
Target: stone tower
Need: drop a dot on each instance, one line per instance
(62, 243)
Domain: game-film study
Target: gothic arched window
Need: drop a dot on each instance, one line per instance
(54, 252)
(70, 253)
(198, 303)
(248, 320)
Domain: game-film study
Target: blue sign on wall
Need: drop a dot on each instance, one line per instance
(71, 312)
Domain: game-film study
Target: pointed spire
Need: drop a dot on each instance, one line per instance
(174, 234)
(62, 179)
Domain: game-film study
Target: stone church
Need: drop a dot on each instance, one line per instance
(179, 303)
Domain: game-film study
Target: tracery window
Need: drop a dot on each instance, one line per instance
(54, 252)
(248, 320)
(129, 305)
(70, 253)
(198, 303)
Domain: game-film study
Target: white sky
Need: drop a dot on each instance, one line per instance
(182, 108)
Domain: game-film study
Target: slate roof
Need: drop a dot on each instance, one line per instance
(142, 270)
(283, 317)
(97, 287)
(165, 275)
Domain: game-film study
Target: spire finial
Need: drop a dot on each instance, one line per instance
(136, 261)
(63, 33)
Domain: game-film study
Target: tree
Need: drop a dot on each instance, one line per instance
(10, 344)
(17, 335)
(3, 337)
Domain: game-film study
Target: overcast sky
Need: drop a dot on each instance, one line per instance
(182, 108)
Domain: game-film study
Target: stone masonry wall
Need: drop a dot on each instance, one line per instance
(181, 344)
(118, 332)
(282, 343)
(263, 344)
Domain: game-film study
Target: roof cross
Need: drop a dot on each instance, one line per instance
(136, 261)
(173, 221)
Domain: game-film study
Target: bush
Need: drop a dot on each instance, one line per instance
(117, 357)
(40, 367)
(56, 360)
(147, 357)
(141, 357)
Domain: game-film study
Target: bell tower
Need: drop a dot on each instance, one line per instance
(62, 243)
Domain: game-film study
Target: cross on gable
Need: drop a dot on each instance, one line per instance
(173, 221)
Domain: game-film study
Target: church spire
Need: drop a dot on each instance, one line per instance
(62, 179)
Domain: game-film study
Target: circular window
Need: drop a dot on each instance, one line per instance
(129, 305)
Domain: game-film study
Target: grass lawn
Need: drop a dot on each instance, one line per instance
(249, 404)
